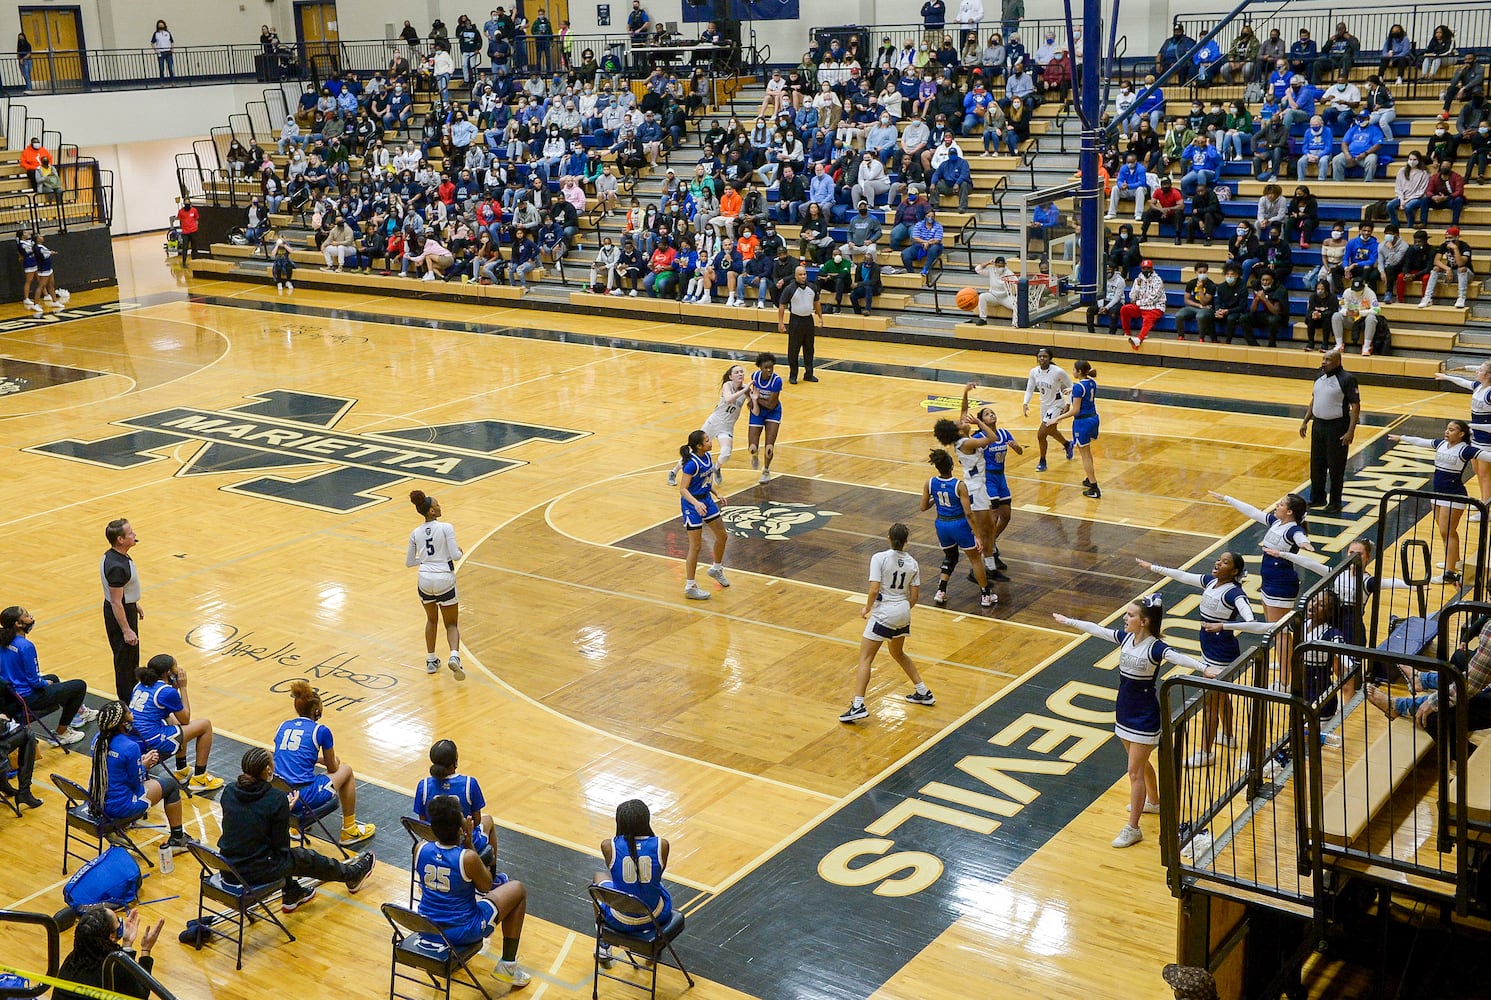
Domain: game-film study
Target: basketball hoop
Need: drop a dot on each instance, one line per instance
(1035, 288)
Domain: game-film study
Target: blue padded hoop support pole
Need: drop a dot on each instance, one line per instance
(1089, 112)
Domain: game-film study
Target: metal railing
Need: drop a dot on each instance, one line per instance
(122, 973)
(53, 933)
(1278, 767)
(86, 199)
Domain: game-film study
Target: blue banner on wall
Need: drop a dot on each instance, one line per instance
(745, 10)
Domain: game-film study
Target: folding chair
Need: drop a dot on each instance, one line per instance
(221, 883)
(82, 817)
(13, 705)
(302, 816)
(419, 831)
(419, 944)
(650, 948)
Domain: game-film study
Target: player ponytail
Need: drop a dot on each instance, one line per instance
(942, 461)
(726, 378)
(9, 619)
(1297, 507)
(633, 821)
(307, 701)
(443, 759)
(696, 438)
(1152, 613)
(110, 724)
(898, 534)
(158, 669)
(1239, 566)
(422, 503)
(946, 432)
(1084, 368)
(1464, 428)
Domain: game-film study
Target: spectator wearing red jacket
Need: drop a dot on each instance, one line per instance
(186, 221)
(1446, 190)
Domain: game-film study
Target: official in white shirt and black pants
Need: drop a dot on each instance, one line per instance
(799, 314)
(1335, 408)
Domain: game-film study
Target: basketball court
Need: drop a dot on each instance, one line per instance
(263, 447)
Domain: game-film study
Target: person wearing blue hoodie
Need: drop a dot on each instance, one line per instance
(1130, 183)
(1315, 149)
(1203, 164)
(952, 176)
(1206, 58)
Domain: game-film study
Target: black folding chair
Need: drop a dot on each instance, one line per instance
(221, 883)
(82, 817)
(419, 944)
(638, 943)
(301, 816)
(13, 705)
(419, 831)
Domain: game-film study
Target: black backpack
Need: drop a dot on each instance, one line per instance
(1382, 338)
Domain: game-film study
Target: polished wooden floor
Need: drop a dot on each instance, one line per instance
(591, 679)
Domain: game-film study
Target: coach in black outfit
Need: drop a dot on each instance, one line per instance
(122, 612)
(1335, 407)
(799, 314)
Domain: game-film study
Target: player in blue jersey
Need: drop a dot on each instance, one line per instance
(1082, 407)
(1224, 611)
(1137, 712)
(162, 712)
(461, 896)
(697, 500)
(445, 780)
(1452, 453)
(120, 786)
(20, 665)
(766, 411)
(303, 742)
(949, 495)
(635, 859)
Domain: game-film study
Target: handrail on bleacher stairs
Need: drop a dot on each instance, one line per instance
(120, 969)
(47, 923)
(1223, 830)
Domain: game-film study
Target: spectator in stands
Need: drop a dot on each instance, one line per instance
(1017, 120)
(1343, 99)
(1274, 255)
(1320, 313)
(926, 244)
(1340, 50)
(1131, 184)
(1475, 113)
(1298, 102)
(1167, 207)
(1316, 147)
(1304, 55)
(865, 282)
(1242, 56)
(1229, 307)
(1144, 142)
(1270, 51)
(1380, 105)
(1357, 316)
(1146, 304)
(1203, 165)
(1206, 214)
(1410, 187)
(1237, 133)
(1206, 61)
(1000, 293)
(863, 231)
(1469, 80)
(814, 239)
(1176, 49)
(101, 933)
(951, 176)
(31, 157)
(1123, 250)
(1303, 216)
(1452, 259)
(1020, 84)
(1446, 191)
(1397, 52)
(163, 43)
(1242, 248)
(1360, 258)
(340, 244)
(976, 106)
(1359, 148)
(1440, 146)
(1391, 253)
(1272, 208)
(1123, 108)
(1173, 146)
(1111, 302)
(1196, 304)
(1440, 46)
(525, 258)
(934, 17)
(1268, 309)
(911, 211)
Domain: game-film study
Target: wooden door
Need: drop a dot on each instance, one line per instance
(316, 28)
(56, 37)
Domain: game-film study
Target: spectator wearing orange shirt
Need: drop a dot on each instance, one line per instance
(32, 156)
(186, 221)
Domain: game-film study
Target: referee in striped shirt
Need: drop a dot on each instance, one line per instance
(799, 314)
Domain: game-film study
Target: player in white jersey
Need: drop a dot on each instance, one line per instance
(895, 586)
(720, 425)
(970, 453)
(1054, 386)
(433, 548)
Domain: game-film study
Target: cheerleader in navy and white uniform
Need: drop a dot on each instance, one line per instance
(26, 250)
(720, 425)
(1082, 407)
(1480, 419)
(1140, 653)
(949, 495)
(766, 411)
(1285, 532)
(433, 548)
(895, 586)
(697, 501)
(1452, 453)
(997, 444)
(46, 281)
(1224, 612)
(964, 439)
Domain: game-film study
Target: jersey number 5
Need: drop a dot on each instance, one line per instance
(429, 545)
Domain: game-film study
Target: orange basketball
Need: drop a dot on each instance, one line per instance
(967, 299)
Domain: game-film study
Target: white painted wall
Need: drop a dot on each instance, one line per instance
(144, 192)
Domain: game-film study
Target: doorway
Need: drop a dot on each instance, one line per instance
(316, 31)
(57, 53)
